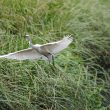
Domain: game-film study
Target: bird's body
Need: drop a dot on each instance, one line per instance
(45, 51)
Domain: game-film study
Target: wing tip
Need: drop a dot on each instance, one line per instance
(68, 37)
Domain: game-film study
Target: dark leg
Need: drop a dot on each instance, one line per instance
(49, 62)
(53, 60)
(50, 58)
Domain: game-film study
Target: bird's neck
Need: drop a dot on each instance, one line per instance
(30, 42)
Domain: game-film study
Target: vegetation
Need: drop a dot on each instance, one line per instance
(80, 79)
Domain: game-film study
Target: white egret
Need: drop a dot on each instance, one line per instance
(45, 51)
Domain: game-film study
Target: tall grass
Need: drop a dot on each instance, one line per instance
(82, 70)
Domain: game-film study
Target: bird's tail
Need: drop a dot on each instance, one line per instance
(3, 56)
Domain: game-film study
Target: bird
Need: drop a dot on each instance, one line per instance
(40, 51)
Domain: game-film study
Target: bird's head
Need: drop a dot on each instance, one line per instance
(28, 37)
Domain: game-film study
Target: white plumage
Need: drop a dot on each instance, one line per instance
(45, 51)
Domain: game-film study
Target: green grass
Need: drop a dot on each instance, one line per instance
(82, 70)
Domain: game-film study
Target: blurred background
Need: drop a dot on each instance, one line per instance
(81, 78)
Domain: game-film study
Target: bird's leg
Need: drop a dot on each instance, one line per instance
(53, 64)
(53, 60)
(49, 61)
(48, 57)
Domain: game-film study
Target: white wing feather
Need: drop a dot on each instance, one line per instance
(31, 53)
(58, 46)
(23, 54)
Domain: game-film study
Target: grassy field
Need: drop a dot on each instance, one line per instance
(81, 78)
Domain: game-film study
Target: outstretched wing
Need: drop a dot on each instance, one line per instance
(58, 46)
(23, 54)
